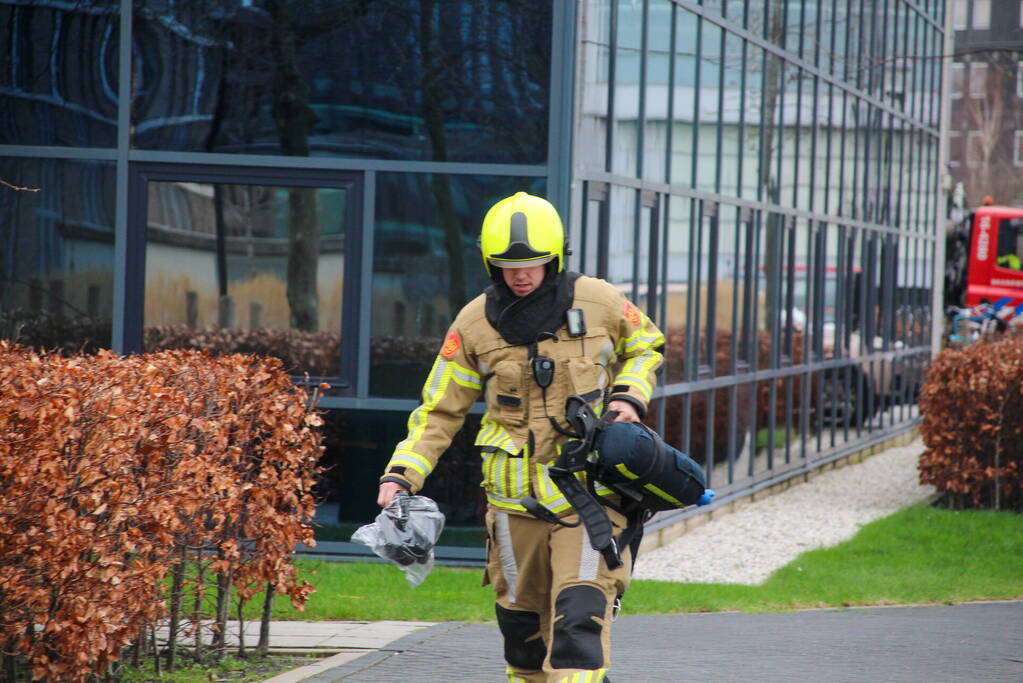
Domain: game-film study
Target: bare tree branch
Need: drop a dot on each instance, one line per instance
(19, 189)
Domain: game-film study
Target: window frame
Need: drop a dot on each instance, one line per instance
(142, 173)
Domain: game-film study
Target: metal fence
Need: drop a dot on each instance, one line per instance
(762, 178)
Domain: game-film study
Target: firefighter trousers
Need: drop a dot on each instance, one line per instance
(555, 597)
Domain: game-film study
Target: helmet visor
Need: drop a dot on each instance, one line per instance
(522, 263)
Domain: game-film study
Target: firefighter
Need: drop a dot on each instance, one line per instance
(1010, 261)
(537, 335)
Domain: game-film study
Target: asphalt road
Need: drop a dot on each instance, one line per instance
(971, 642)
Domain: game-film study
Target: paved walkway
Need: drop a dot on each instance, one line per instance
(971, 642)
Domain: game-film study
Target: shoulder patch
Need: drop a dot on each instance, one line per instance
(631, 314)
(451, 345)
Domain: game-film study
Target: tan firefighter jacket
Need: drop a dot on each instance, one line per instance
(618, 355)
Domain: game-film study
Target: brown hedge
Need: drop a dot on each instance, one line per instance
(972, 407)
(300, 352)
(115, 472)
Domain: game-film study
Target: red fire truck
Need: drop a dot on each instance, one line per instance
(983, 258)
(983, 269)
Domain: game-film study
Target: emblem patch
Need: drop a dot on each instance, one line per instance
(451, 345)
(631, 314)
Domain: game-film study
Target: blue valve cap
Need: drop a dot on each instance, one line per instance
(708, 495)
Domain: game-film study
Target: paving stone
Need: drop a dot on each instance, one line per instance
(971, 642)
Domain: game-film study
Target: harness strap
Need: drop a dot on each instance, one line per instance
(591, 512)
(540, 511)
(586, 504)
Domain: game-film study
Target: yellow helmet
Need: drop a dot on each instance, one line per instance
(521, 231)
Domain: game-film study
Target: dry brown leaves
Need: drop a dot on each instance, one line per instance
(114, 469)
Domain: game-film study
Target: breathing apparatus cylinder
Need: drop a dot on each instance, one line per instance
(635, 461)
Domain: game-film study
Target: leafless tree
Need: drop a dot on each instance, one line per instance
(989, 121)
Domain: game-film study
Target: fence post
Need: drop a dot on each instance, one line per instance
(255, 315)
(225, 311)
(192, 309)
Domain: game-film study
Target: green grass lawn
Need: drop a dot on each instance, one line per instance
(918, 555)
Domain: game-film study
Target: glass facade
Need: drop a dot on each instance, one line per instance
(444, 80)
(59, 83)
(57, 253)
(307, 180)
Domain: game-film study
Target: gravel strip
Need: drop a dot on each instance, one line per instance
(746, 546)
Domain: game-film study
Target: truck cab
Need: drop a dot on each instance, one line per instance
(984, 257)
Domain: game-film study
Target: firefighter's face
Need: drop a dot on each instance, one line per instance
(522, 281)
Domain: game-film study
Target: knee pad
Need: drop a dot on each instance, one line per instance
(521, 648)
(576, 642)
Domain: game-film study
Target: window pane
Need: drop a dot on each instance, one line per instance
(658, 64)
(358, 445)
(627, 87)
(978, 80)
(247, 269)
(623, 238)
(955, 148)
(59, 75)
(960, 9)
(974, 149)
(1010, 243)
(57, 253)
(426, 266)
(394, 79)
(958, 77)
(682, 113)
(595, 59)
(981, 14)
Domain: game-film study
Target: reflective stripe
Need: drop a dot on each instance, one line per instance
(649, 487)
(433, 391)
(544, 486)
(466, 377)
(488, 469)
(549, 495)
(485, 433)
(412, 460)
(589, 559)
(643, 336)
(507, 556)
(521, 467)
(505, 475)
(504, 503)
(493, 434)
(594, 676)
(636, 372)
(640, 340)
